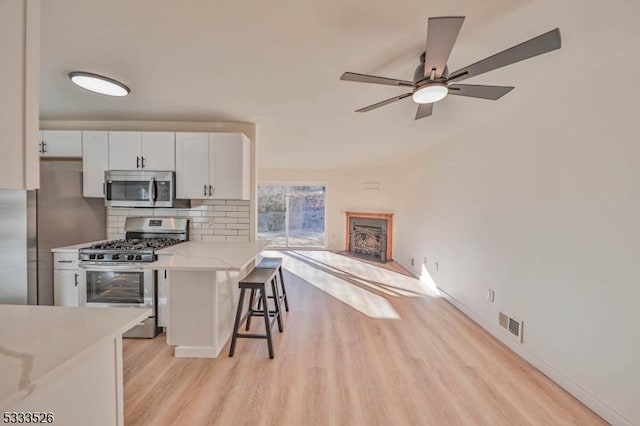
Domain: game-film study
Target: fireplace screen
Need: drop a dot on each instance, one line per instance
(368, 238)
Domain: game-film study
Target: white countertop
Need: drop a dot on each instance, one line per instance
(207, 256)
(36, 341)
(75, 247)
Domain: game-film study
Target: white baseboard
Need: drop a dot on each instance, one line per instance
(195, 352)
(563, 381)
(224, 340)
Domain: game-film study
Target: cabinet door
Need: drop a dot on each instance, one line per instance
(125, 150)
(61, 143)
(231, 166)
(163, 292)
(159, 150)
(65, 287)
(95, 161)
(192, 165)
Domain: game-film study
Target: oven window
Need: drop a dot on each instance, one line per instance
(129, 190)
(115, 287)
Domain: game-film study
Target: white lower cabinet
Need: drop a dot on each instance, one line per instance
(163, 293)
(65, 279)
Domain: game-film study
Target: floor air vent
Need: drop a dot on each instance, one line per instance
(513, 325)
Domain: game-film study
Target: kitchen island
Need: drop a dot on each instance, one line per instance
(203, 292)
(64, 362)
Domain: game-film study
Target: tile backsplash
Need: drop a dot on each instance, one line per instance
(209, 220)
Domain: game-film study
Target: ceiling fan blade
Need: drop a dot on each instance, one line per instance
(364, 78)
(477, 91)
(424, 110)
(441, 36)
(383, 103)
(536, 46)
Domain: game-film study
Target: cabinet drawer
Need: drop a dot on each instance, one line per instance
(65, 260)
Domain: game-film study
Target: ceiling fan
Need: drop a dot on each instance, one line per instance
(432, 81)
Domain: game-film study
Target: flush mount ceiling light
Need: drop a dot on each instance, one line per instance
(99, 84)
(430, 93)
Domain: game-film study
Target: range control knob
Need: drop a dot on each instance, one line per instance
(115, 257)
(130, 257)
(138, 257)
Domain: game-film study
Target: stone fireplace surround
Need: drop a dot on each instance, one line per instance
(371, 220)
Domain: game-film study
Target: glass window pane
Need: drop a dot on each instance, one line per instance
(272, 206)
(306, 216)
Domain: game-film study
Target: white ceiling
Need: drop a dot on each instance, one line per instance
(277, 64)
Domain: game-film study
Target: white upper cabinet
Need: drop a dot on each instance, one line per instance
(192, 165)
(125, 150)
(95, 161)
(142, 151)
(19, 86)
(61, 143)
(212, 165)
(232, 166)
(159, 150)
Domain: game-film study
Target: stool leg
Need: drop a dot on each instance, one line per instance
(251, 301)
(237, 323)
(284, 290)
(267, 326)
(276, 302)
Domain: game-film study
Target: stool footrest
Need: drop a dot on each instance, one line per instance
(252, 336)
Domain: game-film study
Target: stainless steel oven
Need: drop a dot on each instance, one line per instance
(116, 273)
(138, 188)
(126, 285)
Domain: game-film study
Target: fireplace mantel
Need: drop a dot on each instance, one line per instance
(386, 216)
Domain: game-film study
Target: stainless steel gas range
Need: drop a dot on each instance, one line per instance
(112, 273)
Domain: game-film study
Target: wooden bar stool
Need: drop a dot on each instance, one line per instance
(276, 262)
(257, 281)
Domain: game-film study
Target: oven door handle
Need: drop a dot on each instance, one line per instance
(115, 268)
(152, 190)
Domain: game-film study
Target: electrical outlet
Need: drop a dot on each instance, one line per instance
(491, 295)
(412, 262)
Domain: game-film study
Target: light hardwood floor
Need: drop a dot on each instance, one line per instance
(362, 345)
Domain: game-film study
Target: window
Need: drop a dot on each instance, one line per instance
(292, 215)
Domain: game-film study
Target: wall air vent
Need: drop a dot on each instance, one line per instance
(512, 325)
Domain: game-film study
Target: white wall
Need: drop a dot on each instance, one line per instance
(345, 192)
(542, 205)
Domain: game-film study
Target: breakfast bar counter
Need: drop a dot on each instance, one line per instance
(202, 294)
(64, 363)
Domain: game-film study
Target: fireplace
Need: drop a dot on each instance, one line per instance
(369, 235)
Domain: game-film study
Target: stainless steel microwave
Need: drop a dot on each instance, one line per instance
(138, 188)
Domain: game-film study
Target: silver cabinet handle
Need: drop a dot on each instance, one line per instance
(65, 261)
(137, 162)
(76, 278)
(210, 190)
(205, 190)
(142, 162)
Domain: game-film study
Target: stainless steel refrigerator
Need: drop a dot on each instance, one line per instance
(34, 222)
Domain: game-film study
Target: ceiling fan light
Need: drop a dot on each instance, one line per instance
(99, 84)
(430, 93)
